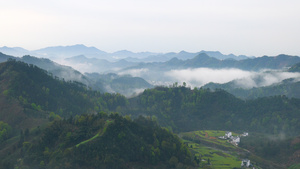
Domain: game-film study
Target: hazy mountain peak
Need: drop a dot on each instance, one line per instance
(201, 55)
(15, 51)
(182, 52)
(79, 57)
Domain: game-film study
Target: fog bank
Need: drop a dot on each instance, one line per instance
(244, 79)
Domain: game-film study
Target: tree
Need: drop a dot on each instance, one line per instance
(173, 161)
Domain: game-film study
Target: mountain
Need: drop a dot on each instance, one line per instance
(36, 93)
(102, 141)
(85, 64)
(50, 123)
(64, 72)
(288, 87)
(34, 135)
(15, 51)
(61, 52)
(183, 55)
(220, 56)
(61, 71)
(203, 60)
(124, 54)
(295, 68)
(113, 83)
(4, 57)
(69, 51)
(123, 84)
(182, 109)
(162, 73)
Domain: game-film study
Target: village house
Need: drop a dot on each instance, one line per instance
(245, 134)
(228, 134)
(245, 163)
(235, 140)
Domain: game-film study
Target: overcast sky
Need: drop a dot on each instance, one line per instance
(250, 27)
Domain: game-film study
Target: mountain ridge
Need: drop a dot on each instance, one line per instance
(55, 52)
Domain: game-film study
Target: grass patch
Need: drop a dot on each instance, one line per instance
(210, 138)
(100, 133)
(295, 166)
(217, 158)
(206, 145)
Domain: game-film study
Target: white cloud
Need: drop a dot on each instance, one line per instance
(201, 76)
(134, 72)
(265, 78)
(245, 79)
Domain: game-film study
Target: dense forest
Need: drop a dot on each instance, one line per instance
(35, 90)
(102, 141)
(183, 109)
(288, 87)
(105, 139)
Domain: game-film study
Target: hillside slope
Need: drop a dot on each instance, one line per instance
(102, 141)
(27, 90)
(183, 109)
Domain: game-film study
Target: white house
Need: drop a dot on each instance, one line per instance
(245, 163)
(245, 134)
(236, 139)
(228, 134)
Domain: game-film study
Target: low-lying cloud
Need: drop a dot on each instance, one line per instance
(134, 72)
(244, 79)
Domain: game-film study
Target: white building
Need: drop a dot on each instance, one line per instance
(236, 139)
(245, 163)
(245, 134)
(228, 134)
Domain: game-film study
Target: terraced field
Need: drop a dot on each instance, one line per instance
(213, 152)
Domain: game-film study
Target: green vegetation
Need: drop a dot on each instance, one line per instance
(288, 87)
(102, 131)
(295, 68)
(5, 131)
(182, 109)
(277, 148)
(212, 157)
(50, 123)
(295, 166)
(211, 151)
(210, 137)
(122, 142)
(125, 84)
(37, 94)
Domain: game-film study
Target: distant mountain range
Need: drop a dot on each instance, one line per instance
(204, 60)
(127, 72)
(62, 52)
(113, 83)
(84, 64)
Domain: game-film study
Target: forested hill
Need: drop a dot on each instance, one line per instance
(183, 109)
(61, 71)
(288, 87)
(50, 123)
(42, 126)
(295, 68)
(102, 141)
(35, 94)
